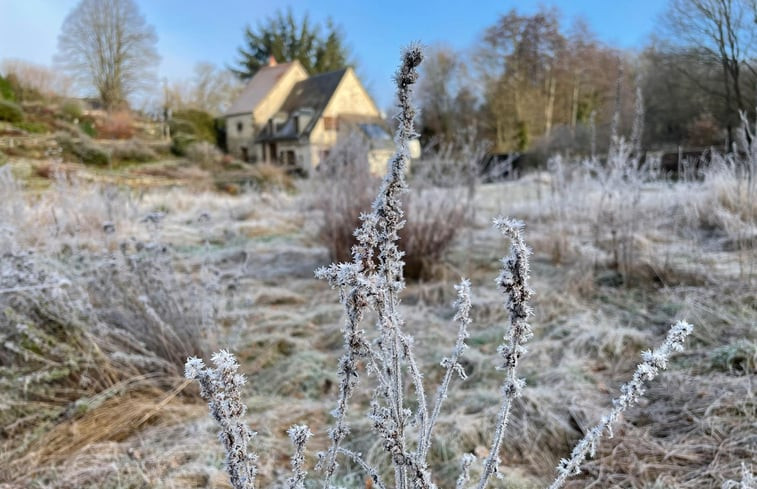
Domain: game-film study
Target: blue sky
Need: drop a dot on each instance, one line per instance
(190, 31)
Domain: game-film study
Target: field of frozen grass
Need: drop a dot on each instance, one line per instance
(105, 291)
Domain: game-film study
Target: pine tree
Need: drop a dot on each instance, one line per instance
(287, 38)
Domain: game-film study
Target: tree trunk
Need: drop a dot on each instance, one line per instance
(550, 108)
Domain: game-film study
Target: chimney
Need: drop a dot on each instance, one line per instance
(271, 61)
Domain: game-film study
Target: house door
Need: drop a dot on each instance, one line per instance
(245, 156)
(272, 152)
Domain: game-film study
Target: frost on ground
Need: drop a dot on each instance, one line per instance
(92, 387)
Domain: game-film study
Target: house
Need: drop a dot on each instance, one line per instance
(257, 103)
(286, 117)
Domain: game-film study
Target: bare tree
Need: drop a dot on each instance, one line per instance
(717, 33)
(108, 45)
(441, 81)
(210, 89)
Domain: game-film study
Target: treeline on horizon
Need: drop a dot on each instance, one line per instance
(532, 82)
(536, 83)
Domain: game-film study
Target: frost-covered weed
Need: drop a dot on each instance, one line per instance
(748, 480)
(619, 215)
(400, 413)
(634, 208)
(611, 190)
(221, 386)
(90, 320)
(631, 392)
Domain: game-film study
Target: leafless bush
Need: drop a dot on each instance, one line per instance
(346, 189)
(436, 217)
(132, 150)
(619, 211)
(93, 330)
(437, 209)
(116, 125)
(204, 153)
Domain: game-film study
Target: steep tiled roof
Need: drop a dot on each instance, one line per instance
(257, 88)
(307, 96)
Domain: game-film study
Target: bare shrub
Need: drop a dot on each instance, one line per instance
(204, 154)
(95, 330)
(345, 190)
(117, 125)
(84, 150)
(437, 209)
(132, 150)
(612, 193)
(436, 217)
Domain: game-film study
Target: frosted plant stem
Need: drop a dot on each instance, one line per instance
(652, 363)
(221, 387)
(396, 381)
(371, 471)
(355, 347)
(514, 283)
(465, 464)
(374, 279)
(450, 364)
(299, 434)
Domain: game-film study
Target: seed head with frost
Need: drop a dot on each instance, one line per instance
(631, 392)
(221, 387)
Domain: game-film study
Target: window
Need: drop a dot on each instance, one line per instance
(331, 123)
(240, 126)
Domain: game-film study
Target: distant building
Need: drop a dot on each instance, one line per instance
(286, 117)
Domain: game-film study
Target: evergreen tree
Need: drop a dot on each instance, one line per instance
(287, 39)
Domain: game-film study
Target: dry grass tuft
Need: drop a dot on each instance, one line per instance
(694, 432)
(115, 420)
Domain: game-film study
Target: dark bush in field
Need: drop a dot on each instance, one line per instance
(6, 89)
(84, 149)
(10, 112)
